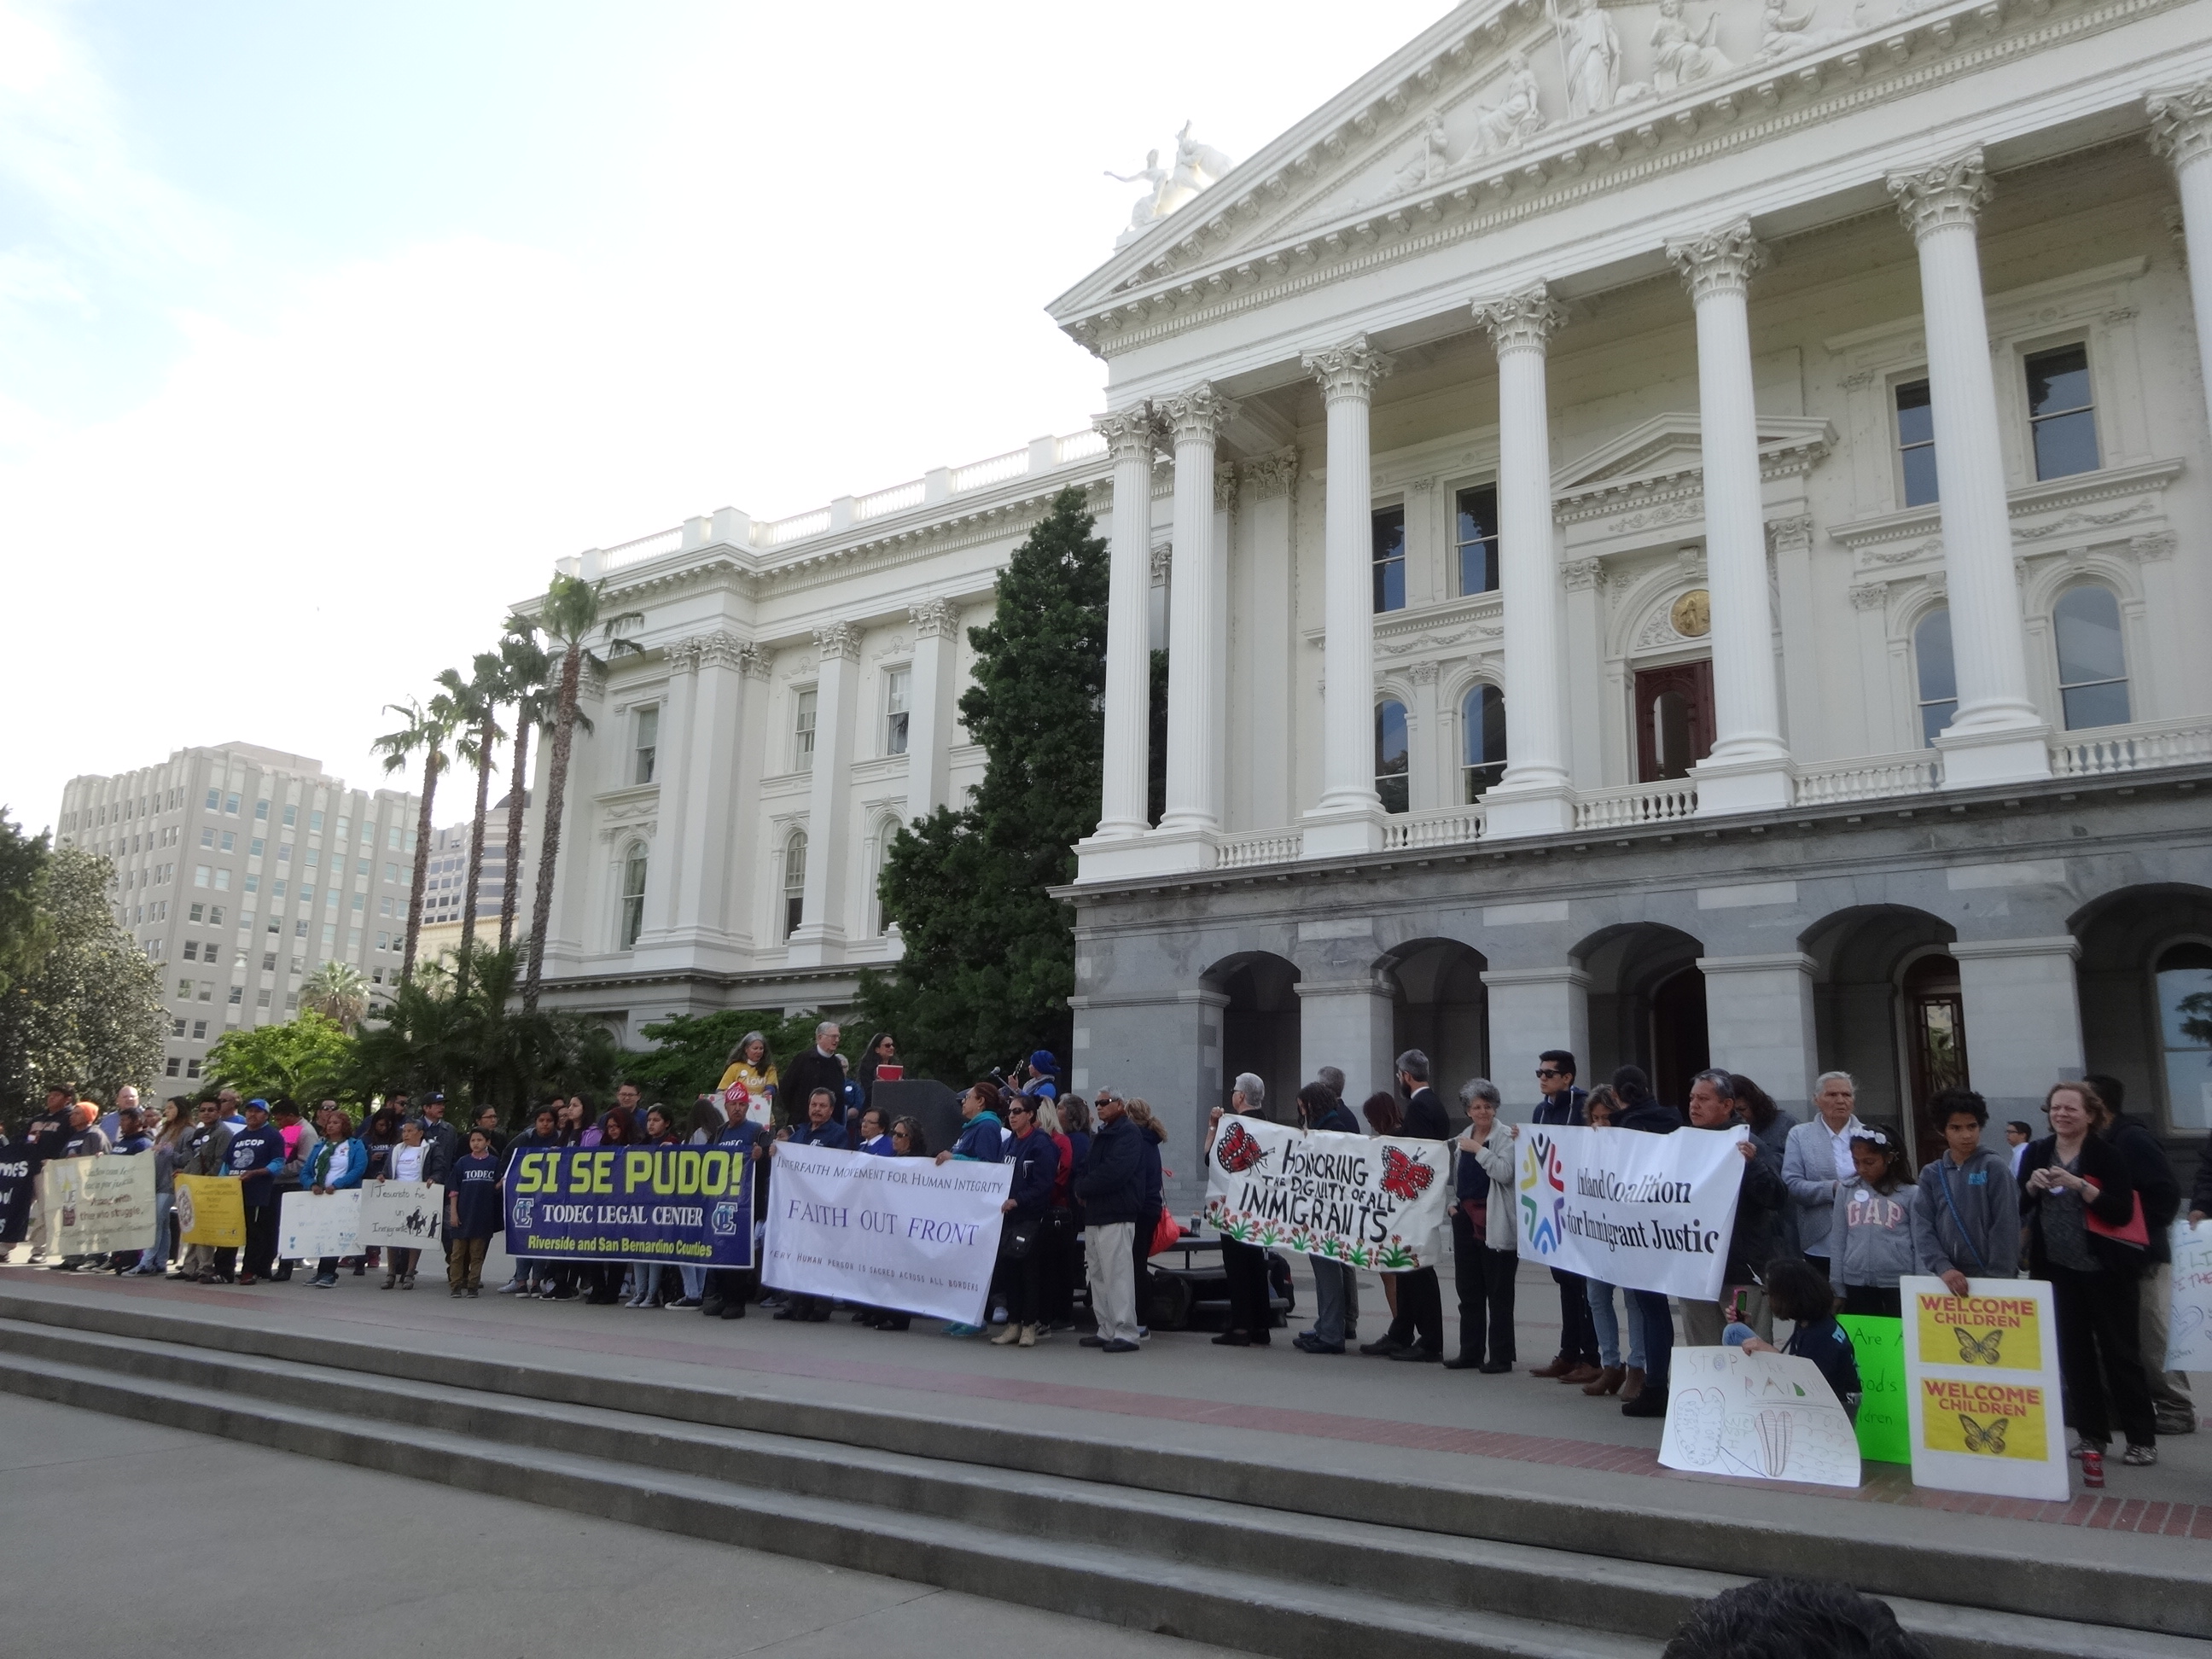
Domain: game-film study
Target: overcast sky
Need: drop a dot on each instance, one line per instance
(326, 328)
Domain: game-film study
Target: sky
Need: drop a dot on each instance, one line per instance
(325, 329)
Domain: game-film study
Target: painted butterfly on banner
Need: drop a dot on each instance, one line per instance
(1978, 1350)
(1981, 1439)
(1402, 1177)
(1237, 1150)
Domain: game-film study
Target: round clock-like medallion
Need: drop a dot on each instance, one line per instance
(1692, 615)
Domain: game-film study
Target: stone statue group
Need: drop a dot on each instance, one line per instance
(1196, 166)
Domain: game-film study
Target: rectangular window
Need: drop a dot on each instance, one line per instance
(261, 998)
(648, 744)
(898, 693)
(314, 858)
(284, 854)
(207, 990)
(199, 1030)
(268, 961)
(353, 940)
(276, 924)
(196, 913)
(222, 881)
(252, 884)
(1389, 558)
(215, 915)
(192, 1068)
(383, 907)
(200, 875)
(392, 841)
(802, 728)
(344, 825)
(329, 935)
(292, 1002)
(237, 995)
(300, 928)
(2062, 412)
(261, 810)
(191, 950)
(212, 954)
(207, 837)
(230, 840)
(172, 1066)
(291, 815)
(358, 902)
(277, 892)
(384, 941)
(314, 823)
(306, 893)
(230, 805)
(213, 803)
(1915, 442)
(255, 848)
(177, 1028)
(1476, 534)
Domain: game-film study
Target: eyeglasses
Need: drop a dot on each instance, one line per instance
(1545, 1071)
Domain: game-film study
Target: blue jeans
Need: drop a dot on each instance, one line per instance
(1332, 1292)
(1608, 1325)
(155, 1260)
(695, 1279)
(1649, 1310)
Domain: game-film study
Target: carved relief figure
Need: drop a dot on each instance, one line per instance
(1593, 58)
(1429, 161)
(1516, 120)
(1678, 56)
(1782, 36)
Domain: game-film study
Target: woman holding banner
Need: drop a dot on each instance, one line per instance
(1655, 1319)
(1485, 1257)
(339, 1161)
(1036, 1167)
(168, 1135)
(413, 1159)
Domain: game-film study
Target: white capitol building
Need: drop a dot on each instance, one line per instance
(1682, 531)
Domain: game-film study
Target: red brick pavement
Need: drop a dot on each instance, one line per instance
(1885, 1483)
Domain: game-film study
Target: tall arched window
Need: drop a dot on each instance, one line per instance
(794, 881)
(1939, 680)
(1392, 755)
(2093, 662)
(2184, 1019)
(1482, 739)
(633, 895)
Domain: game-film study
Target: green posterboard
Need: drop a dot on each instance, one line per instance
(1884, 1435)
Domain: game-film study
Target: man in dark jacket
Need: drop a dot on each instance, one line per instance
(1111, 1185)
(817, 1068)
(1418, 1332)
(1751, 1243)
(1037, 1170)
(42, 1141)
(1640, 1112)
(2160, 1188)
(254, 1154)
(1562, 1105)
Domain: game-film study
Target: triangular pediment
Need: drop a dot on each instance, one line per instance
(1668, 445)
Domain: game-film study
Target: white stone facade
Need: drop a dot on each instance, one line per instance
(241, 870)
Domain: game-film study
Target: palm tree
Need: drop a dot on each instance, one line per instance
(475, 703)
(337, 992)
(569, 618)
(523, 668)
(429, 731)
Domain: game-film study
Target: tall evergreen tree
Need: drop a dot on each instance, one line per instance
(990, 954)
(89, 1010)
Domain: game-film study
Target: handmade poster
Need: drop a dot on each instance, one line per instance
(1646, 1212)
(901, 1233)
(1982, 1393)
(91, 1206)
(687, 1205)
(1765, 1416)
(311, 1225)
(2189, 1337)
(17, 1189)
(210, 1210)
(400, 1215)
(1878, 1344)
(1379, 1203)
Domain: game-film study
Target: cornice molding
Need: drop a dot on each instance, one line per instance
(1884, 538)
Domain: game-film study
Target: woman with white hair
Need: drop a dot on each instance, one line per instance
(1816, 1161)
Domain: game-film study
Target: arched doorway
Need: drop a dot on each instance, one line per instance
(1934, 1009)
(1886, 1008)
(1647, 1006)
(1258, 1028)
(1681, 1045)
(2145, 978)
(1440, 1007)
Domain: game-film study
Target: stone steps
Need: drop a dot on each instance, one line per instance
(1242, 1554)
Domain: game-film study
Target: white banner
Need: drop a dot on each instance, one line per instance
(94, 1204)
(903, 1233)
(311, 1225)
(2189, 1337)
(1981, 1388)
(1376, 1203)
(1767, 1416)
(400, 1215)
(1647, 1212)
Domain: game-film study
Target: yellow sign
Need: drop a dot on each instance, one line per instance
(2002, 1333)
(211, 1211)
(1987, 1420)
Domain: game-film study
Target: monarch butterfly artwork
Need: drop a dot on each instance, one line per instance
(1978, 1350)
(1983, 1439)
(1402, 1177)
(1237, 1150)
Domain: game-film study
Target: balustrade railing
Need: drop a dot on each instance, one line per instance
(1637, 803)
(1271, 846)
(2135, 748)
(1445, 827)
(1871, 777)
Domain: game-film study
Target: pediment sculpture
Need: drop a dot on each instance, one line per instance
(1196, 167)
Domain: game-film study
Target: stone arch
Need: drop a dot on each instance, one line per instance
(1260, 1029)
(1647, 1005)
(1880, 973)
(1438, 1005)
(2125, 936)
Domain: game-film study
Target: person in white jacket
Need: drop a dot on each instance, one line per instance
(1483, 1257)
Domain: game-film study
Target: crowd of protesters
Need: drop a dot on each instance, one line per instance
(1830, 1216)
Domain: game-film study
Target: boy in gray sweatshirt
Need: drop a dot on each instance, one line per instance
(1967, 1224)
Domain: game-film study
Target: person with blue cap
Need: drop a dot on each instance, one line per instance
(1045, 1072)
(252, 1156)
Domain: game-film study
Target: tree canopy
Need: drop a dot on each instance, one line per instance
(87, 1009)
(307, 1058)
(989, 956)
(694, 1049)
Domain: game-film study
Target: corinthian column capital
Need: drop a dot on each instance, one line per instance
(2181, 123)
(1349, 370)
(1128, 432)
(1723, 261)
(1199, 414)
(1937, 198)
(838, 640)
(1523, 321)
(934, 619)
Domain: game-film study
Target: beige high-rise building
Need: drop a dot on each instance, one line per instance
(241, 870)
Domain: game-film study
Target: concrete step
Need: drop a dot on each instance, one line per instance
(1446, 1554)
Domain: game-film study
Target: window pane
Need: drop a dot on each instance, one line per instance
(2185, 1008)
(1477, 540)
(1932, 648)
(2088, 627)
(1916, 423)
(2095, 705)
(2058, 381)
(1482, 719)
(1934, 717)
(1390, 546)
(1390, 755)
(2065, 445)
(1920, 487)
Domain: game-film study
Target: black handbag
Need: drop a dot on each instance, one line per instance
(1020, 1240)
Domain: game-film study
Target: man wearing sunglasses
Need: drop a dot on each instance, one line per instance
(1563, 1104)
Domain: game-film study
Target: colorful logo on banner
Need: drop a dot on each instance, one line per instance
(211, 1211)
(686, 1205)
(1543, 1194)
(1996, 1331)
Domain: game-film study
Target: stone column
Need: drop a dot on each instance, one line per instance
(1533, 798)
(820, 935)
(1129, 434)
(704, 821)
(1996, 737)
(2023, 1011)
(1198, 625)
(1432, 779)
(2181, 131)
(1533, 1009)
(1748, 770)
(1758, 1021)
(1349, 817)
(673, 774)
(930, 716)
(1586, 642)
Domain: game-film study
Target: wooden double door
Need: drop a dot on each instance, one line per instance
(1674, 719)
